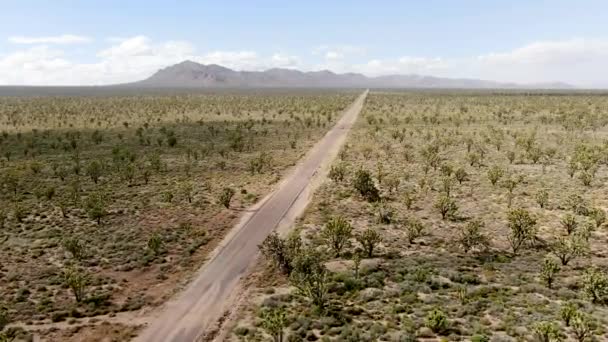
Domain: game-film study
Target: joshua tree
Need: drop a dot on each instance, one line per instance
(446, 206)
(569, 223)
(282, 251)
(369, 239)
(472, 236)
(523, 228)
(77, 281)
(337, 233)
(414, 229)
(310, 277)
(495, 173)
(548, 271)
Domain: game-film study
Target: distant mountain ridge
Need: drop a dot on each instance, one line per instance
(189, 74)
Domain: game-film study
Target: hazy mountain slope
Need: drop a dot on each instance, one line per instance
(190, 74)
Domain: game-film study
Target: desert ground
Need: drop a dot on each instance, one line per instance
(448, 216)
(109, 204)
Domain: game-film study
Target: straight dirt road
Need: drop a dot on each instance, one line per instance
(198, 308)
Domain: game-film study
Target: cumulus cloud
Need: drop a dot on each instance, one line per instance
(577, 61)
(127, 60)
(281, 60)
(62, 39)
(337, 52)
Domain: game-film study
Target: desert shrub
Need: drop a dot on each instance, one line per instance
(474, 159)
(414, 229)
(583, 327)
(364, 184)
(369, 240)
(155, 244)
(337, 172)
(226, 196)
(96, 206)
(77, 281)
(446, 185)
(75, 247)
(566, 249)
(577, 204)
(409, 198)
(273, 322)
(495, 173)
(19, 212)
(461, 175)
(446, 170)
(542, 198)
(188, 191)
(569, 223)
(260, 163)
(437, 321)
(310, 277)
(547, 332)
(384, 213)
(480, 338)
(522, 228)
(282, 251)
(94, 171)
(446, 206)
(586, 178)
(548, 271)
(595, 285)
(337, 233)
(392, 184)
(511, 156)
(172, 140)
(567, 312)
(598, 215)
(471, 236)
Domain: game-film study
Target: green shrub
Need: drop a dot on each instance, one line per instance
(437, 321)
(226, 196)
(567, 312)
(595, 285)
(446, 206)
(337, 233)
(522, 229)
(414, 229)
(495, 173)
(547, 332)
(369, 239)
(471, 236)
(364, 184)
(548, 271)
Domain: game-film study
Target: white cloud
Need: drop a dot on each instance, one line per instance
(335, 52)
(577, 61)
(128, 60)
(333, 55)
(62, 39)
(280, 60)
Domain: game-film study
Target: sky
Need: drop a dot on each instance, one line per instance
(93, 42)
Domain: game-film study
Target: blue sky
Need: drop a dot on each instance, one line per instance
(100, 42)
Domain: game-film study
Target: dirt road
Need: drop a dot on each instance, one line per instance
(198, 308)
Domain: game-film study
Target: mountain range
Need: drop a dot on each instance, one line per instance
(189, 74)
